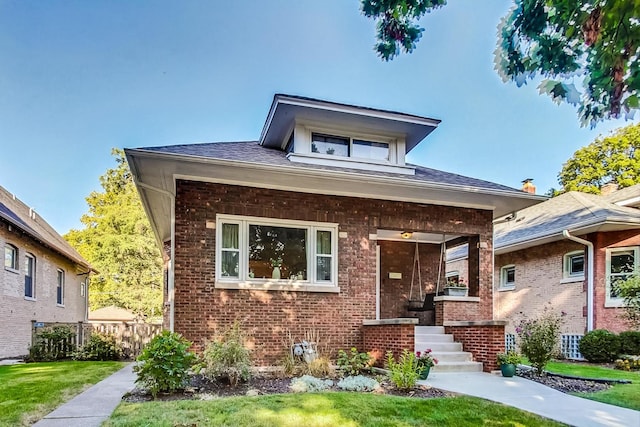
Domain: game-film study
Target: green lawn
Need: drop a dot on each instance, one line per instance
(625, 395)
(323, 410)
(30, 391)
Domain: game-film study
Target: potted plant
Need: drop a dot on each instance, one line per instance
(455, 288)
(508, 362)
(425, 361)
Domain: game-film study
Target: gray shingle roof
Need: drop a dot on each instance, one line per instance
(13, 211)
(623, 194)
(567, 211)
(251, 151)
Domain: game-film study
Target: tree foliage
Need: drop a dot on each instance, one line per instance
(630, 292)
(595, 43)
(615, 158)
(118, 242)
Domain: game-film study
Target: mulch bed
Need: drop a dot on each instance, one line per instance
(564, 384)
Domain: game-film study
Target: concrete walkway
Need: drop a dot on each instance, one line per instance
(93, 406)
(536, 398)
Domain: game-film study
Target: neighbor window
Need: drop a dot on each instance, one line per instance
(29, 276)
(60, 288)
(286, 251)
(574, 265)
(349, 147)
(508, 276)
(10, 257)
(622, 263)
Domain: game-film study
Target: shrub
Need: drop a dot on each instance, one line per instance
(404, 373)
(99, 347)
(309, 384)
(358, 383)
(628, 363)
(353, 363)
(539, 339)
(509, 358)
(320, 367)
(52, 343)
(630, 342)
(164, 363)
(630, 293)
(227, 357)
(600, 346)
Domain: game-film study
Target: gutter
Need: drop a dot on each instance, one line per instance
(590, 285)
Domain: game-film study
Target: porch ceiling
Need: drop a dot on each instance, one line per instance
(421, 237)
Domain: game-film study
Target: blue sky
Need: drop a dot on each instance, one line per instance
(78, 78)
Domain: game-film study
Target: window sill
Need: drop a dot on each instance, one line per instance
(12, 270)
(276, 285)
(506, 288)
(572, 279)
(29, 299)
(612, 303)
(60, 305)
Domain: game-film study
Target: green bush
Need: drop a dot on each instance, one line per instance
(227, 357)
(599, 346)
(630, 342)
(52, 343)
(404, 373)
(539, 339)
(354, 362)
(509, 358)
(99, 347)
(164, 363)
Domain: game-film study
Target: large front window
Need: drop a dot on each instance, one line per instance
(622, 263)
(260, 249)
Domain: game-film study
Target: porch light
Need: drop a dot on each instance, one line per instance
(406, 234)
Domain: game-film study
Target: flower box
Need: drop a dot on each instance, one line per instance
(456, 291)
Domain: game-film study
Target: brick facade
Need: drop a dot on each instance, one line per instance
(201, 309)
(484, 341)
(17, 312)
(540, 284)
(379, 339)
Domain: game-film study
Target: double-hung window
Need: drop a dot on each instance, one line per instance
(60, 288)
(508, 277)
(622, 263)
(259, 250)
(29, 276)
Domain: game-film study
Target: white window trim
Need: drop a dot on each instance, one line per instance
(503, 285)
(567, 277)
(618, 302)
(16, 264)
(311, 284)
(350, 135)
(33, 277)
(62, 286)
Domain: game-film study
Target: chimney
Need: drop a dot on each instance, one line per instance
(528, 187)
(608, 188)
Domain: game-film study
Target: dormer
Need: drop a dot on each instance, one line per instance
(340, 135)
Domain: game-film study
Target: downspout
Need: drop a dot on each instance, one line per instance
(590, 285)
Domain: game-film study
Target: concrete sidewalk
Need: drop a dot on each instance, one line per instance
(536, 398)
(93, 406)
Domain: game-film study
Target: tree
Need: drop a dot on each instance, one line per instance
(118, 242)
(596, 42)
(615, 158)
(630, 292)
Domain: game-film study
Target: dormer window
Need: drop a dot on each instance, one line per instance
(349, 147)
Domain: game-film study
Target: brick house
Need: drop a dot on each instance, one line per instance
(567, 254)
(44, 279)
(321, 224)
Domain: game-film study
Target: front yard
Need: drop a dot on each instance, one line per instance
(30, 391)
(624, 395)
(324, 410)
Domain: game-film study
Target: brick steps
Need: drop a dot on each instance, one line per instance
(450, 356)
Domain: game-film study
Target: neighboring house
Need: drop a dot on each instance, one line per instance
(543, 260)
(44, 279)
(315, 227)
(111, 314)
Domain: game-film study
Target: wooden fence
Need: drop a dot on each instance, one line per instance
(131, 336)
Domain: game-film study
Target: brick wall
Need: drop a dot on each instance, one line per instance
(609, 317)
(539, 274)
(379, 339)
(16, 312)
(484, 342)
(201, 309)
